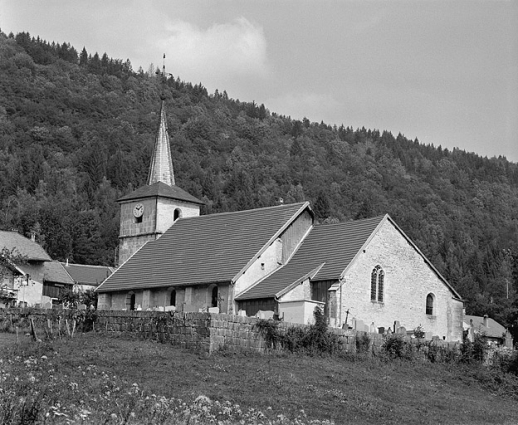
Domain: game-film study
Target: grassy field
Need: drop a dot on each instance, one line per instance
(92, 379)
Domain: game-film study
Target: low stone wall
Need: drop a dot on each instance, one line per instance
(203, 332)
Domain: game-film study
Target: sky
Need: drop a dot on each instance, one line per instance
(444, 72)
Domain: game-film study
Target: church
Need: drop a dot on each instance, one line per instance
(366, 274)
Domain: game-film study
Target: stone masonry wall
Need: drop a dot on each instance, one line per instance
(201, 332)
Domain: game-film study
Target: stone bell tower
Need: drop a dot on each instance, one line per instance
(150, 210)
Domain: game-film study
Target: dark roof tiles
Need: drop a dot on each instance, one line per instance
(54, 272)
(204, 249)
(163, 190)
(336, 245)
(87, 275)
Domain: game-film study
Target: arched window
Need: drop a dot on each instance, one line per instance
(130, 301)
(214, 297)
(177, 214)
(429, 304)
(172, 298)
(377, 284)
(374, 284)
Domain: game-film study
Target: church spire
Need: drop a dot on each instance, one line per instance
(161, 168)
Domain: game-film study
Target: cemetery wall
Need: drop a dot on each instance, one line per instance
(202, 332)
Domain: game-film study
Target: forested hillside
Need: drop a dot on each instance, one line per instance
(77, 130)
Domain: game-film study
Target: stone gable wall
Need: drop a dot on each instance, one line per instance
(408, 280)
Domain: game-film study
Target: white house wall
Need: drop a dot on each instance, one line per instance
(299, 292)
(268, 261)
(29, 293)
(408, 281)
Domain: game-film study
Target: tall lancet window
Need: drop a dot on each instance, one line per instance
(377, 284)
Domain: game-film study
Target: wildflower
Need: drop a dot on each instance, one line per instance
(201, 399)
(44, 357)
(113, 416)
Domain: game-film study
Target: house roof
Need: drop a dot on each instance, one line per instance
(492, 330)
(162, 190)
(83, 274)
(204, 249)
(333, 245)
(54, 272)
(24, 246)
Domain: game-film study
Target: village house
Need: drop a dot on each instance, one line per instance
(365, 274)
(493, 331)
(32, 279)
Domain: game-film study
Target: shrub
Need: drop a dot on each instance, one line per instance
(513, 364)
(475, 351)
(313, 339)
(396, 347)
(269, 329)
(363, 343)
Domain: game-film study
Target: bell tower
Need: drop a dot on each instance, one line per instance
(149, 211)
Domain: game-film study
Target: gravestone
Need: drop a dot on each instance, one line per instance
(268, 314)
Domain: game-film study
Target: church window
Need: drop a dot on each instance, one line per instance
(377, 284)
(130, 301)
(429, 304)
(215, 296)
(177, 214)
(138, 219)
(172, 298)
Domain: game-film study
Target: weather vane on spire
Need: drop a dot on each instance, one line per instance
(163, 67)
(164, 78)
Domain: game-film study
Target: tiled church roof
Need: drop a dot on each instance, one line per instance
(333, 245)
(204, 249)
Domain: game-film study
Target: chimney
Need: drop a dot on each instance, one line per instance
(67, 263)
(485, 321)
(33, 236)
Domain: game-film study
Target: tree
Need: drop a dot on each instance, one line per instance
(321, 207)
(83, 58)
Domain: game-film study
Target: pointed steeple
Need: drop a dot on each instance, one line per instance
(161, 169)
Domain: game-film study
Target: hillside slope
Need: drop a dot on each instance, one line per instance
(76, 133)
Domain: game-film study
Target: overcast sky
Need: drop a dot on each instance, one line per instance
(445, 72)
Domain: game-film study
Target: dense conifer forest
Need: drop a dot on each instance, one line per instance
(77, 130)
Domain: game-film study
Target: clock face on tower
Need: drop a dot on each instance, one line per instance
(138, 210)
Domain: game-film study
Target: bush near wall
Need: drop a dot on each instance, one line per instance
(205, 332)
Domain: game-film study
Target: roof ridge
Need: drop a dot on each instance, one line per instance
(82, 265)
(243, 211)
(377, 217)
